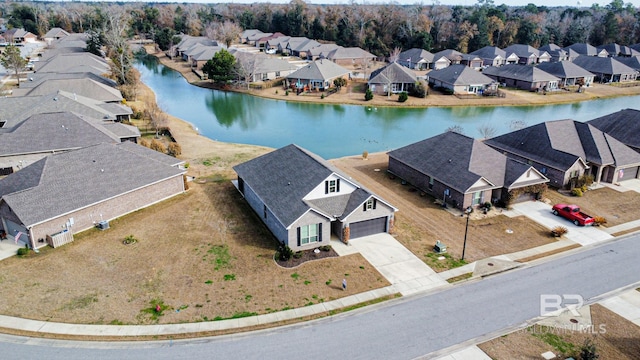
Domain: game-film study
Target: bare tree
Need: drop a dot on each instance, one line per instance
(115, 37)
(157, 117)
(227, 32)
(395, 54)
(246, 66)
(11, 59)
(456, 129)
(486, 131)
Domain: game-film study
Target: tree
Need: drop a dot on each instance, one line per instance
(227, 32)
(220, 67)
(456, 129)
(246, 66)
(394, 56)
(368, 95)
(339, 82)
(11, 59)
(486, 131)
(94, 45)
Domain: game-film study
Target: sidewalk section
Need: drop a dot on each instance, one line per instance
(626, 305)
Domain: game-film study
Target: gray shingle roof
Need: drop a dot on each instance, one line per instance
(520, 72)
(282, 178)
(394, 73)
(35, 79)
(87, 87)
(349, 53)
(416, 55)
(55, 32)
(455, 160)
(560, 143)
(631, 61)
(602, 65)
(623, 125)
(583, 49)
(490, 52)
(522, 50)
(51, 132)
(452, 55)
(15, 109)
(62, 183)
(460, 75)
(61, 63)
(319, 70)
(564, 69)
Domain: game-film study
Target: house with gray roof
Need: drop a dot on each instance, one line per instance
(14, 109)
(416, 59)
(614, 50)
(73, 62)
(564, 150)
(525, 77)
(321, 51)
(392, 77)
(461, 79)
(277, 44)
(34, 79)
(494, 56)
(556, 52)
(631, 61)
(55, 33)
(75, 190)
(624, 125)
(244, 36)
(606, 69)
(260, 67)
(85, 86)
(350, 56)
(587, 50)
(44, 134)
(527, 54)
(304, 200)
(17, 36)
(569, 73)
(317, 75)
(462, 171)
(299, 46)
(199, 55)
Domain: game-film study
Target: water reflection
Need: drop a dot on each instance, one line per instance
(333, 130)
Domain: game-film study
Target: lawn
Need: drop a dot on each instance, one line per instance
(421, 222)
(200, 256)
(617, 207)
(615, 338)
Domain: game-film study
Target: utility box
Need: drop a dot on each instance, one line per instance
(103, 225)
(440, 247)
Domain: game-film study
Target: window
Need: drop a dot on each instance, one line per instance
(265, 76)
(308, 234)
(543, 170)
(332, 186)
(277, 73)
(477, 198)
(430, 182)
(369, 204)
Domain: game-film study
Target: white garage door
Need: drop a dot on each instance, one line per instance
(368, 227)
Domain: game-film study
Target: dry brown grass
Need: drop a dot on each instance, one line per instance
(618, 342)
(203, 252)
(420, 221)
(617, 207)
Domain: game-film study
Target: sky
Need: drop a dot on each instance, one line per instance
(550, 3)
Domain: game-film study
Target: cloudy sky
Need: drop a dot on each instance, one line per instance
(586, 3)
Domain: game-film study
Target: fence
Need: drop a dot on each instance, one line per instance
(60, 239)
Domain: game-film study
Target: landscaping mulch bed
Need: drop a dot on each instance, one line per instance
(307, 255)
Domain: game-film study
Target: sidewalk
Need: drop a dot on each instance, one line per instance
(626, 305)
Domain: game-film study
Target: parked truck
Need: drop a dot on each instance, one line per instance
(572, 213)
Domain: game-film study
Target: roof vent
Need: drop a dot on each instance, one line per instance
(449, 160)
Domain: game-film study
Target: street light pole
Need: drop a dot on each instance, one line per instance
(466, 229)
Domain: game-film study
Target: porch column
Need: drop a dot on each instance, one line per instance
(599, 175)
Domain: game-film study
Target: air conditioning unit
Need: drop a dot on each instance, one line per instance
(103, 225)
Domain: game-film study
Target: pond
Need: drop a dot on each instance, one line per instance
(333, 131)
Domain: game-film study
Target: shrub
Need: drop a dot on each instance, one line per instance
(157, 146)
(325, 247)
(599, 220)
(559, 231)
(588, 351)
(420, 90)
(297, 254)
(23, 251)
(368, 95)
(174, 149)
(286, 93)
(143, 142)
(403, 97)
(284, 252)
(576, 192)
(365, 154)
(487, 205)
(339, 82)
(322, 96)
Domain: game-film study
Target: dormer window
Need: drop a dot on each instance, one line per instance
(332, 186)
(370, 204)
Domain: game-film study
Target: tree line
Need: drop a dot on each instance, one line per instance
(377, 28)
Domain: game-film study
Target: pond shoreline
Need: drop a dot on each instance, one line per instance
(346, 96)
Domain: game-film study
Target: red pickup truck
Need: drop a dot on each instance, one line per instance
(573, 213)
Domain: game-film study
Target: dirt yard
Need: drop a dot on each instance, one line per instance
(618, 341)
(420, 221)
(201, 256)
(617, 207)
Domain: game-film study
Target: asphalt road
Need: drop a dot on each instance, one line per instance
(401, 329)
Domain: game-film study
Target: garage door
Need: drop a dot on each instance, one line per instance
(368, 227)
(628, 174)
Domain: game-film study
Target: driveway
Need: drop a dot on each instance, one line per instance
(405, 271)
(541, 213)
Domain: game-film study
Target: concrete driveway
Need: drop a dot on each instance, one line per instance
(541, 213)
(405, 271)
